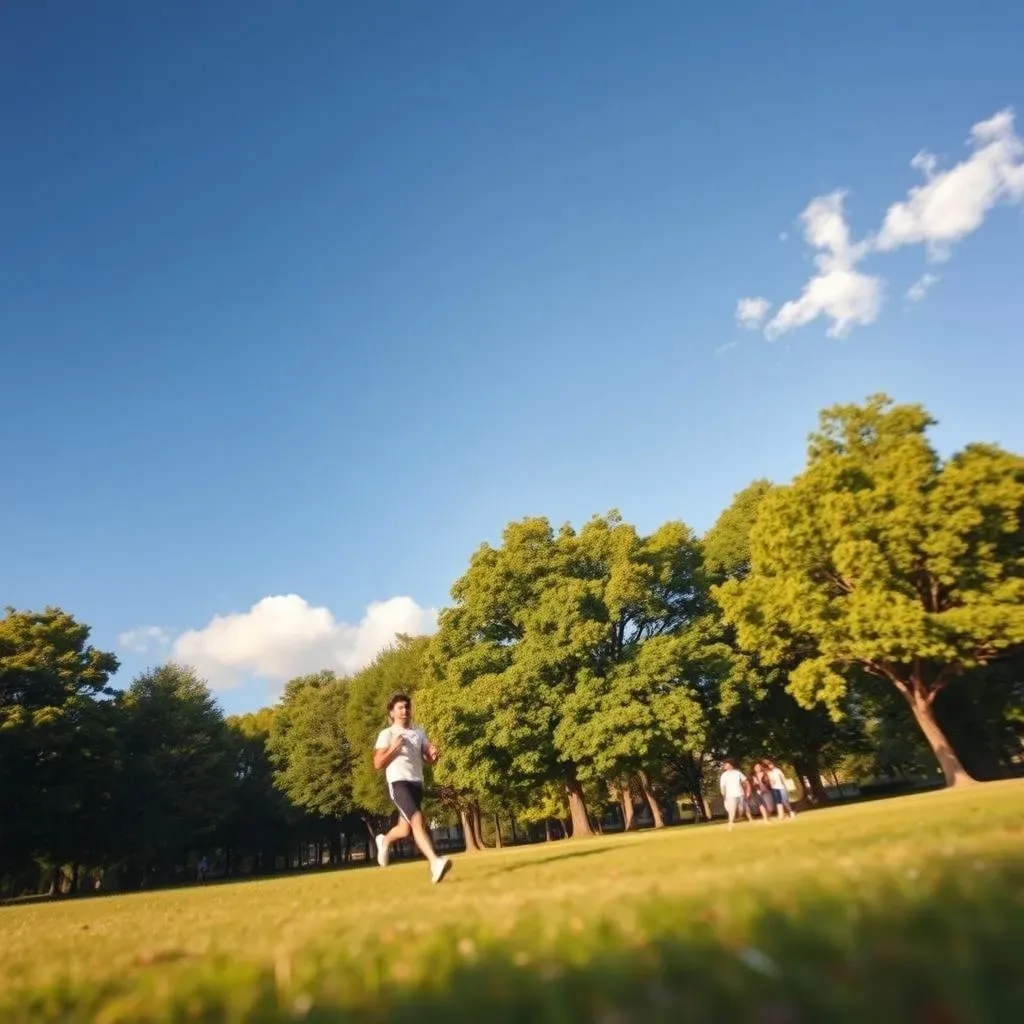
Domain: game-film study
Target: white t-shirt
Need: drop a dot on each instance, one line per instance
(776, 779)
(732, 784)
(407, 765)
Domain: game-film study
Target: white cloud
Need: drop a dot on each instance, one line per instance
(750, 313)
(721, 350)
(284, 636)
(839, 292)
(144, 638)
(950, 205)
(953, 203)
(919, 289)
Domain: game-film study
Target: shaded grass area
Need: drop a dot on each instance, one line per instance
(912, 910)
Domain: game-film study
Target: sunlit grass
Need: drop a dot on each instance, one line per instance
(907, 910)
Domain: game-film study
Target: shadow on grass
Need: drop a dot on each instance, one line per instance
(536, 862)
(936, 946)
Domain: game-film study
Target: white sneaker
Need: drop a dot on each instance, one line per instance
(439, 869)
(383, 852)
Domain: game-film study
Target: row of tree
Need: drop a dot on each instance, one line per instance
(577, 675)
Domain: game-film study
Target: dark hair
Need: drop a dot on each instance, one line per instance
(398, 698)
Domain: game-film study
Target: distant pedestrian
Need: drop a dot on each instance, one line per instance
(733, 786)
(780, 791)
(764, 789)
(761, 800)
(202, 870)
(400, 750)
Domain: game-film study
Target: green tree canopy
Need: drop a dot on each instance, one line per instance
(56, 742)
(177, 771)
(881, 556)
(308, 746)
(573, 656)
(773, 723)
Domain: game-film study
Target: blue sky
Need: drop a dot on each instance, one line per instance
(312, 299)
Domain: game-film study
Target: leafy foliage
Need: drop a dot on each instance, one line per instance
(308, 745)
(880, 556)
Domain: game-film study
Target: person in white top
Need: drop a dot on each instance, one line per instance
(733, 785)
(400, 750)
(780, 790)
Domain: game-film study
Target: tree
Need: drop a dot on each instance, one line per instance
(649, 683)
(574, 657)
(727, 544)
(55, 738)
(258, 824)
(308, 746)
(500, 670)
(882, 557)
(177, 771)
(773, 723)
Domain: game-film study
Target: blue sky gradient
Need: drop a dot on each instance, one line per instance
(312, 299)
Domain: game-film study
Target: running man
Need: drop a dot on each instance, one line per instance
(400, 750)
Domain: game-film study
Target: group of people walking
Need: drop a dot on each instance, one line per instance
(762, 791)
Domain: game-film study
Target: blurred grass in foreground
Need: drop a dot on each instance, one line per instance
(906, 910)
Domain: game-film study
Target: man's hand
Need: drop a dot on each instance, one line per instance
(396, 744)
(432, 754)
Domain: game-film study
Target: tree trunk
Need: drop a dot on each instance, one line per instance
(512, 821)
(628, 810)
(645, 785)
(702, 805)
(924, 715)
(468, 835)
(497, 831)
(475, 820)
(547, 830)
(577, 808)
(807, 768)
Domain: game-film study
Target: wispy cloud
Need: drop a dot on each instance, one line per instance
(920, 288)
(144, 639)
(750, 313)
(953, 203)
(950, 205)
(721, 350)
(839, 292)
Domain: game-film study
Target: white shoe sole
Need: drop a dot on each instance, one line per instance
(439, 877)
(382, 852)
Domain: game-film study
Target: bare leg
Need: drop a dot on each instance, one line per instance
(422, 837)
(400, 831)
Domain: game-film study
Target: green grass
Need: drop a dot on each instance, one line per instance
(909, 910)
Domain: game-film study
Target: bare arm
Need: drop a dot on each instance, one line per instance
(382, 757)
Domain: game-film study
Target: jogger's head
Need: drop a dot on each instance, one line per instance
(400, 708)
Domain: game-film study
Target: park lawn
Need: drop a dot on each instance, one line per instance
(902, 910)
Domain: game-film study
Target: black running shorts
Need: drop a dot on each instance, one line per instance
(407, 797)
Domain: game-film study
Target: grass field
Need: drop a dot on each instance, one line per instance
(908, 910)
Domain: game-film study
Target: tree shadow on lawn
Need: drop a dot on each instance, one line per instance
(536, 862)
